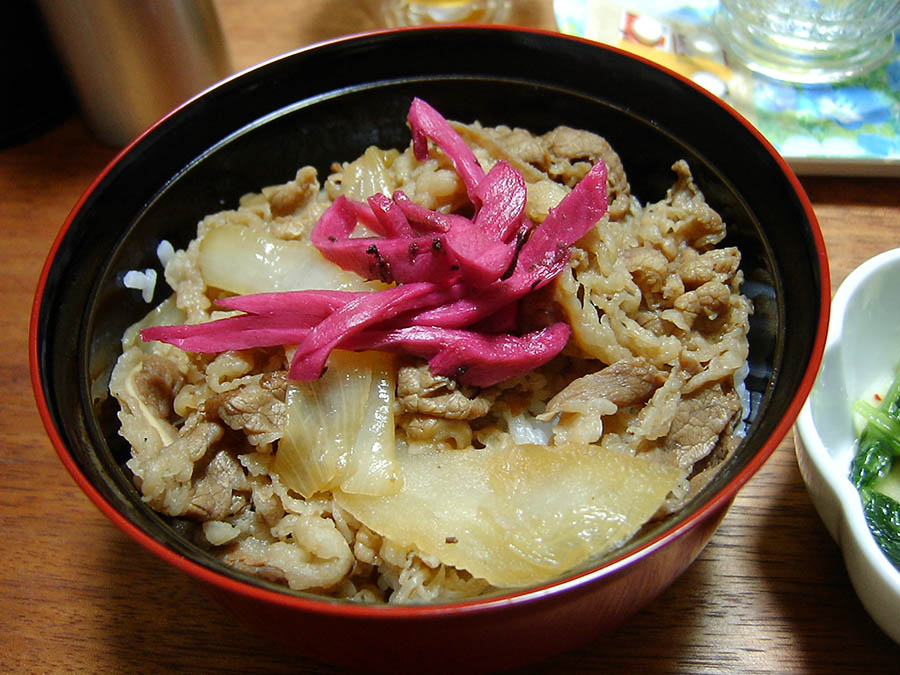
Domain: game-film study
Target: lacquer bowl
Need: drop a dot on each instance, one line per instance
(328, 103)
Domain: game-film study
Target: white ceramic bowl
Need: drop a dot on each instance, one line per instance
(862, 352)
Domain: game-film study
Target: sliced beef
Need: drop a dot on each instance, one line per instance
(421, 392)
(258, 409)
(699, 421)
(624, 383)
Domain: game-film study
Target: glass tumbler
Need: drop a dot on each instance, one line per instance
(809, 41)
(418, 12)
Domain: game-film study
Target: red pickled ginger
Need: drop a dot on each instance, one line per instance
(457, 280)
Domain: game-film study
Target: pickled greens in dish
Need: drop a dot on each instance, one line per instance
(472, 364)
(874, 471)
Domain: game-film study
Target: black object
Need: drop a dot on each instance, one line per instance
(38, 95)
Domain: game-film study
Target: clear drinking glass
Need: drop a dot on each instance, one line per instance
(417, 12)
(809, 41)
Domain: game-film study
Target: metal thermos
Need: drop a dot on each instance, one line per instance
(131, 61)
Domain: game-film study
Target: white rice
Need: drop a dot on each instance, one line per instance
(145, 282)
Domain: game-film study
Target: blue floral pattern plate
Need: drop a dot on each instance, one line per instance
(850, 128)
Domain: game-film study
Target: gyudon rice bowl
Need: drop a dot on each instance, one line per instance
(475, 363)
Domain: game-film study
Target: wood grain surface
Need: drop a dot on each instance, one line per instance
(769, 594)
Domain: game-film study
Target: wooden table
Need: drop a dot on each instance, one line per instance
(769, 594)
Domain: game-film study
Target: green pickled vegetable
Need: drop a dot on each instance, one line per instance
(883, 516)
(872, 469)
(873, 460)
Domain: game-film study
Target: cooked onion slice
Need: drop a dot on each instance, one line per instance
(517, 515)
(340, 429)
(240, 260)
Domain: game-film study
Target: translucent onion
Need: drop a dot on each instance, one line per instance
(164, 314)
(369, 174)
(241, 260)
(517, 515)
(340, 429)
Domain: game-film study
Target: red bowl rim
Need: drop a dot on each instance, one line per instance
(721, 500)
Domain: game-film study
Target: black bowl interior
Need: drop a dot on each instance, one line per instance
(329, 103)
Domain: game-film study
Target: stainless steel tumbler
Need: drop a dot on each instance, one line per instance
(131, 61)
